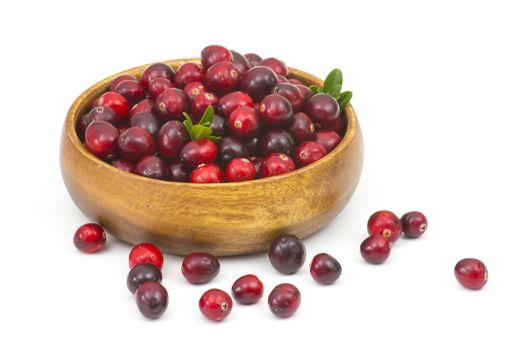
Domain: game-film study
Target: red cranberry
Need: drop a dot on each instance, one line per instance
(291, 93)
(120, 79)
(102, 139)
(414, 224)
(231, 147)
(253, 58)
(325, 269)
(222, 78)
(308, 152)
(135, 143)
(284, 300)
(142, 273)
(115, 101)
(152, 299)
(281, 79)
(305, 90)
(385, 223)
(375, 249)
(240, 169)
(230, 102)
(171, 138)
(158, 85)
(247, 289)
(256, 161)
(178, 172)
(188, 72)
(253, 145)
(275, 111)
(200, 103)
(240, 62)
(193, 90)
(471, 273)
(196, 152)
(146, 253)
(147, 121)
(90, 238)
(207, 173)
(301, 127)
(171, 103)
(132, 90)
(124, 165)
(323, 109)
(296, 82)
(276, 164)
(287, 254)
(339, 127)
(215, 304)
(153, 167)
(327, 138)
(243, 122)
(258, 82)
(104, 113)
(199, 268)
(213, 54)
(276, 141)
(218, 125)
(146, 105)
(156, 70)
(276, 65)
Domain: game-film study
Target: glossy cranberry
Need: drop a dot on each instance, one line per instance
(281, 79)
(90, 238)
(323, 109)
(152, 299)
(152, 167)
(215, 304)
(115, 101)
(199, 268)
(188, 72)
(171, 138)
(81, 126)
(278, 66)
(253, 59)
(200, 103)
(276, 164)
(240, 169)
(120, 79)
(240, 62)
(306, 92)
(308, 152)
(158, 85)
(375, 249)
(291, 93)
(142, 273)
(253, 145)
(276, 141)
(230, 102)
(256, 161)
(171, 103)
(287, 254)
(146, 253)
(147, 121)
(284, 300)
(244, 122)
(213, 54)
(124, 165)
(222, 78)
(301, 127)
(471, 273)
(207, 173)
(102, 139)
(414, 224)
(196, 152)
(145, 105)
(178, 172)
(218, 125)
(231, 147)
(247, 289)
(156, 70)
(193, 90)
(275, 111)
(325, 269)
(135, 143)
(327, 138)
(258, 82)
(104, 113)
(132, 90)
(295, 81)
(385, 223)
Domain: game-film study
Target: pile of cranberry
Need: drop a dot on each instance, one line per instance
(231, 118)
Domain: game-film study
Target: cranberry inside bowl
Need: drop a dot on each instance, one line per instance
(229, 218)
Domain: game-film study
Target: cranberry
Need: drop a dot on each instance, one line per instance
(287, 253)
(135, 143)
(301, 127)
(132, 90)
(258, 82)
(243, 122)
(284, 300)
(146, 105)
(247, 289)
(308, 152)
(200, 103)
(281, 79)
(240, 169)
(188, 72)
(256, 161)
(222, 78)
(121, 128)
(325, 269)
(115, 101)
(120, 79)
(158, 85)
(215, 304)
(339, 127)
(146, 253)
(375, 249)
(291, 93)
(253, 145)
(296, 82)
(385, 223)
(213, 54)
(156, 70)
(153, 167)
(194, 89)
(276, 164)
(196, 152)
(231, 147)
(230, 102)
(218, 125)
(276, 65)
(240, 62)
(102, 139)
(104, 113)
(323, 109)
(277, 141)
(178, 172)
(124, 165)
(82, 124)
(471, 273)
(253, 59)
(90, 238)
(147, 121)
(207, 173)
(152, 299)
(171, 138)
(305, 90)
(327, 138)
(275, 111)
(199, 268)
(171, 103)
(414, 224)
(142, 273)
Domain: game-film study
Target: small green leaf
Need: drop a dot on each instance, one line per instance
(213, 138)
(333, 83)
(207, 117)
(188, 123)
(344, 98)
(314, 89)
(334, 91)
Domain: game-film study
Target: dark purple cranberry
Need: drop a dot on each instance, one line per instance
(199, 268)
(207, 173)
(301, 127)
(305, 90)
(284, 300)
(258, 82)
(158, 85)
(153, 167)
(200, 103)
(278, 66)
(188, 72)
(231, 147)
(240, 62)
(471, 273)
(244, 122)
(327, 138)
(222, 78)
(230, 102)
(375, 249)
(145, 105)
(152, 299)
(135, 143)
(281, 79)
(276, 141)
(247, 289)
(142, 273)
(171, 103)
(276, 164)
(102, 139)
(213, 54)
(414, 224)
(308, 152)
(253, 59)
(156, 70)
(178, 172)
(196, 152)
(89, 238)
(120, 79)
(253, 145)
(218, 125)
(105, 114)
(291, 93)
(256, 161)
(339, 127)
(124, 165)
(296, 82)
(132, 90)
(147, 121)
(275, 111)
(325, 269)
(323, 109)
(287, 254)
(82, 124)
(171, 138)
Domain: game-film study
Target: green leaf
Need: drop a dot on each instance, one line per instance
(344, 98)
(198, 131)
(188, 123)
(333, 83)
(334, 91)
(207, 117)
(314, 89)
(213, 138)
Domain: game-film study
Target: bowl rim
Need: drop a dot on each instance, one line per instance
(74, 113)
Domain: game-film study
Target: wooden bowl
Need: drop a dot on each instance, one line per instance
(222, 219)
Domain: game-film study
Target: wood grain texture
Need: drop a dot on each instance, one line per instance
(222, 219)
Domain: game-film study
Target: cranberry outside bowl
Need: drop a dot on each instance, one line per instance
(221, 219)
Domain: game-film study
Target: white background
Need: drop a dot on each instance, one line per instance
(439, 90)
